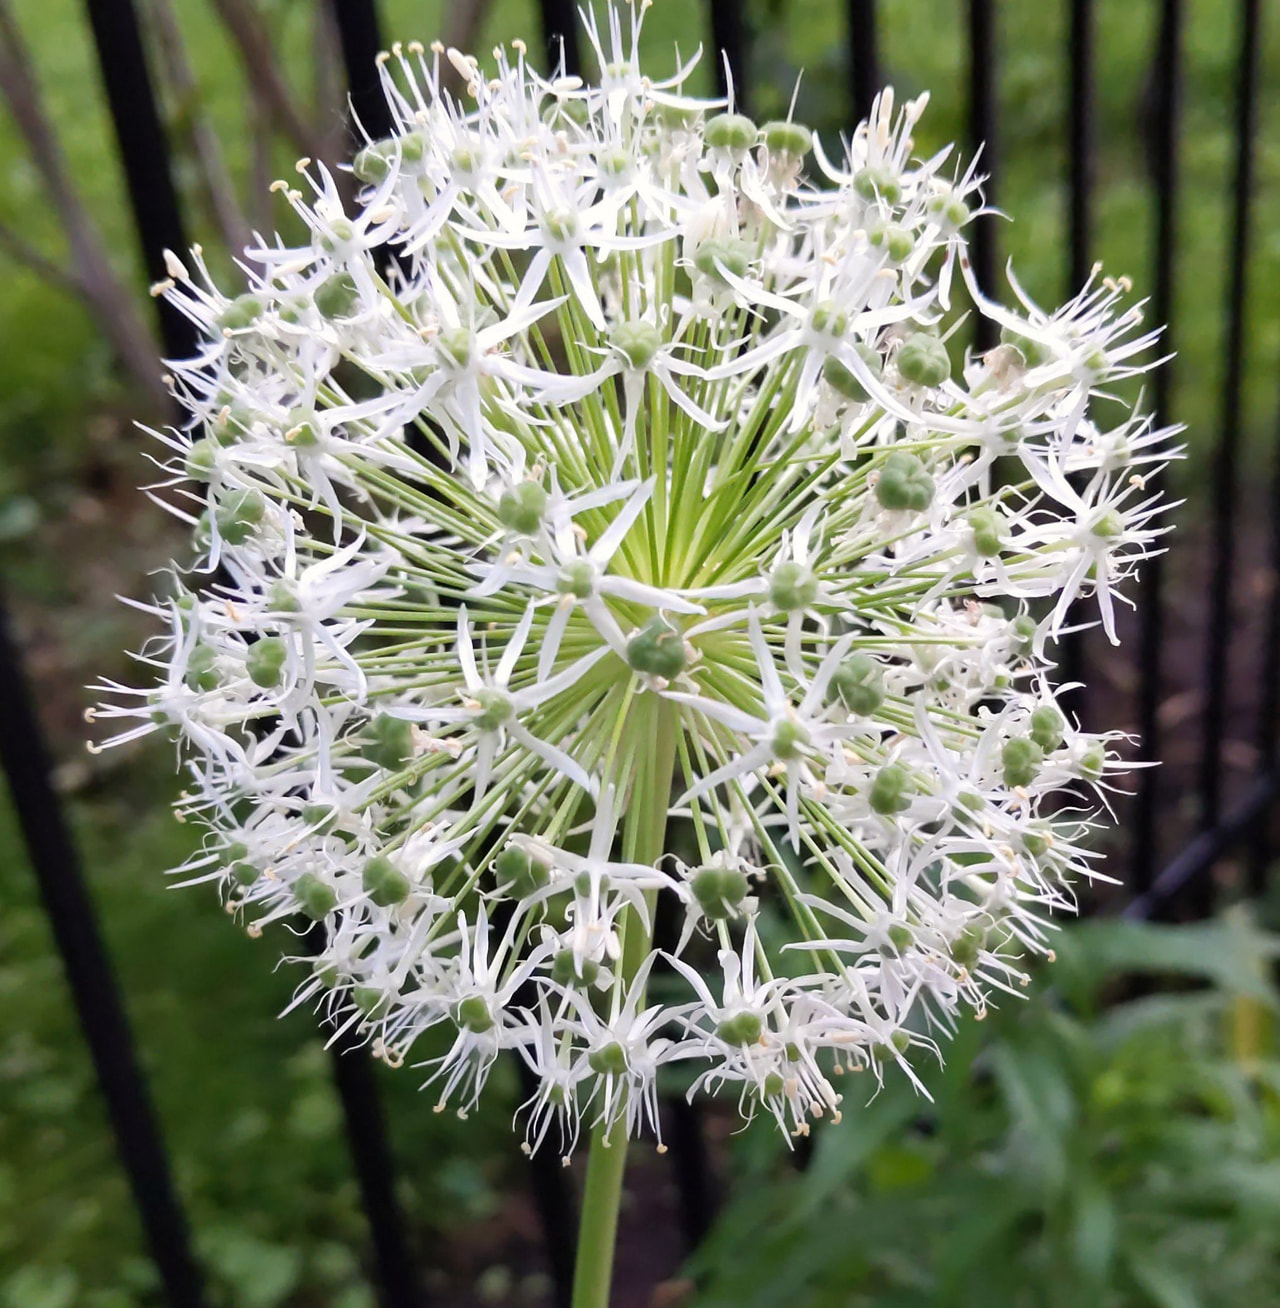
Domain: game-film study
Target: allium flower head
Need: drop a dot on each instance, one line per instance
(600, 507)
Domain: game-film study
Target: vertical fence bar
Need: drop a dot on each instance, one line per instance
(366, 1130)
(1080, 145)
(982, 136)
(1079, 238)
(360, 37)
(25, 761)
(1269, 708)
(1227, 455)
(1164, 131)
(144, 153)
(695, 1177)
(729, 49)
(560, 33)
(864, 60)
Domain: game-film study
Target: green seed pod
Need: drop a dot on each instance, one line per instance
(923, 360)
(877, 183)
(283, 597)
(301, 429)
(657, 649)
(1093, 763)
(373, 163)
(968, 945)
(315, 898)
(733, 254)
(565, 970)
(904, 484)
(676, 118)
(237, 513)
(608, 1060)
(844, 381)
(384, 883)
(986, 523)
(321, 818)
(457, 344)
(242, 312)
(734, 132)
(719, 891)
(900, 936)
(956, 212)
(773, 1085)
(1021, 759)
(891, 790)
(473, 1015)
(577, 579)
(1034, 354)
(1023, 628)
(519, 873)
(265, 661)
(560, 225)
(1107, 525)
(520, 508)
(792, 587)
(744, 1028)
(201, 459)
(341, 232)
(371, 1001)
(326, 973)
(388, 742)
(1036, 843)
(338, 296)
(789, 739)
(637, 342)
(792, 139)
(829, 319)
(201, 673)
(244, 873)
(858, 683)
(495, 709)
(1047, 726)
(899, 244)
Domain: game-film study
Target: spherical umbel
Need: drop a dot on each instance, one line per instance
(649, 539)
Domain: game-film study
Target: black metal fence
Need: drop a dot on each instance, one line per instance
(1185, 879)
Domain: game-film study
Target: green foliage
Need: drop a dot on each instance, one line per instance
(246, 1099)
(1124, 1155)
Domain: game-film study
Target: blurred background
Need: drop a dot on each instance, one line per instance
(1114, 1140)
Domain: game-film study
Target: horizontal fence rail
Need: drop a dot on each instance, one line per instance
(1184, 883)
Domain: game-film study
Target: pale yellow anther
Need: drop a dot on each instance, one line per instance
(381, 57)
(417, 48)
(156, 289)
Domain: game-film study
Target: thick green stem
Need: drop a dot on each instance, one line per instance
(645, 834)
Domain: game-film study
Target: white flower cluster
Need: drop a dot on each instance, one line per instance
(596, 510)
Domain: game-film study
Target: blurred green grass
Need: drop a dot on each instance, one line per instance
(246, 1100)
